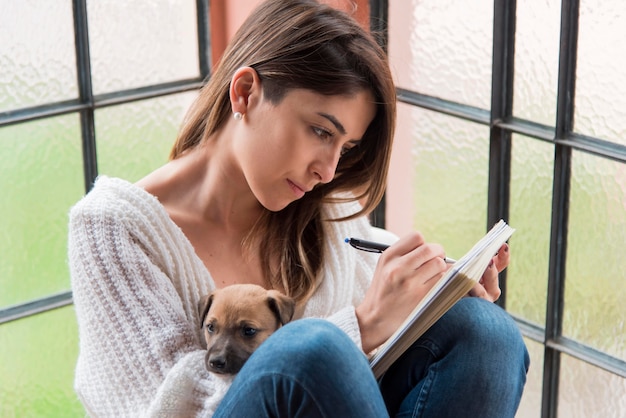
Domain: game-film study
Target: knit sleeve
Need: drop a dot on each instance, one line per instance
(347, 273)
(140, 354)
(346, 318)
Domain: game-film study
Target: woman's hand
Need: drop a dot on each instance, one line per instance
(405, 272)
(488, 287)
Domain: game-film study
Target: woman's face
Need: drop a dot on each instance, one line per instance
(287, 149)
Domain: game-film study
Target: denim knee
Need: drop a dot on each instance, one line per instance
(316, 346)
(308, 365)
(491, 343)
(471, 362)
(487, 324)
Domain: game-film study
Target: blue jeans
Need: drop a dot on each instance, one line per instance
(472, 362)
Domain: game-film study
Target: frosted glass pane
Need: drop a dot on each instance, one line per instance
(140, 43)
(134, 139)
(443, 48)
(530, 406)
(40, 178)
(587, 391)
(595, 288)
(536, 60)
(450, 179)
(530, 214)
(37, 358)
(601, 81)
(37, 55)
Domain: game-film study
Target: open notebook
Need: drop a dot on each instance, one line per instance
(451, 287)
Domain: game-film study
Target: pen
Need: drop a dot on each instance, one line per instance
(377, 247)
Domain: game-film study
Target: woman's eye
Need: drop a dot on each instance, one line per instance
(249, 331)
(210, 328)
(347, 149)
(322, 133)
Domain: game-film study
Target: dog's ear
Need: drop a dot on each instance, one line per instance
(283, 306)
(203, 306)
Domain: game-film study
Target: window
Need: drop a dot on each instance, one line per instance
(87, 88)
(506, 110)
(517, 111)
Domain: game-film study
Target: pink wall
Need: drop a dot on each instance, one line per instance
(400, 205)
(228, 15)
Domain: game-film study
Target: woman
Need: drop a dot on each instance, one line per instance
(259, 189)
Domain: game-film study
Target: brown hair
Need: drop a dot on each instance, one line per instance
(301, 44)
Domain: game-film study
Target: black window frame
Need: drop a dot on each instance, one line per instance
(85, 105)
(502, 125)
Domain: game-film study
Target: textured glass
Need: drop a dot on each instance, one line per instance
(140, 43)
(135, 138)
(530, 406)
(443, 48)
(587, 391)
(530, 215)
(595, 288)
(37, 359)
(600, 77)
(41, 176)
(450, 179)
(37, 56)
(536, 60)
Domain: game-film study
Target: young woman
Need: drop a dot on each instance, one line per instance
(260, 188)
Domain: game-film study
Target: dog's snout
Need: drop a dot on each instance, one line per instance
(225, 361)
(217, 363)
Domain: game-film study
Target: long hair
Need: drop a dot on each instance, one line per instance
(301, 44)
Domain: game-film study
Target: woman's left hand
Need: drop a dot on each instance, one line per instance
(488, 287)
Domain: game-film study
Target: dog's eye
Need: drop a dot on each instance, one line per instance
(210, 328)
(249, 331)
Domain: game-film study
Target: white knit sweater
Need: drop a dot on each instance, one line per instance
(137, 281)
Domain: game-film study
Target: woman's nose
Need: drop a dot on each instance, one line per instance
(325, 166)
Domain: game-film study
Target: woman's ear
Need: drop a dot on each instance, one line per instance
(244, 85)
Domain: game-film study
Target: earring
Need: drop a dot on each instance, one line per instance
(238, 115)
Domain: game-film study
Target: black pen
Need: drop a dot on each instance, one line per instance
(377, 247)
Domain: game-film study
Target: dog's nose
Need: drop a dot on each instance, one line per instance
(217, 363)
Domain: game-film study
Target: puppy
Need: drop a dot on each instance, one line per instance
(236, 320)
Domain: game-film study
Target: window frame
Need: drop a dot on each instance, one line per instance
(85, 105)
(503, 124)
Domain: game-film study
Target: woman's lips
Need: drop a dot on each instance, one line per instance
(297, 190)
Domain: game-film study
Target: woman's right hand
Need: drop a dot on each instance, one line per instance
(405, 272)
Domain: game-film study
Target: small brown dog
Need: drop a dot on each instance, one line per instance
(237, 319)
